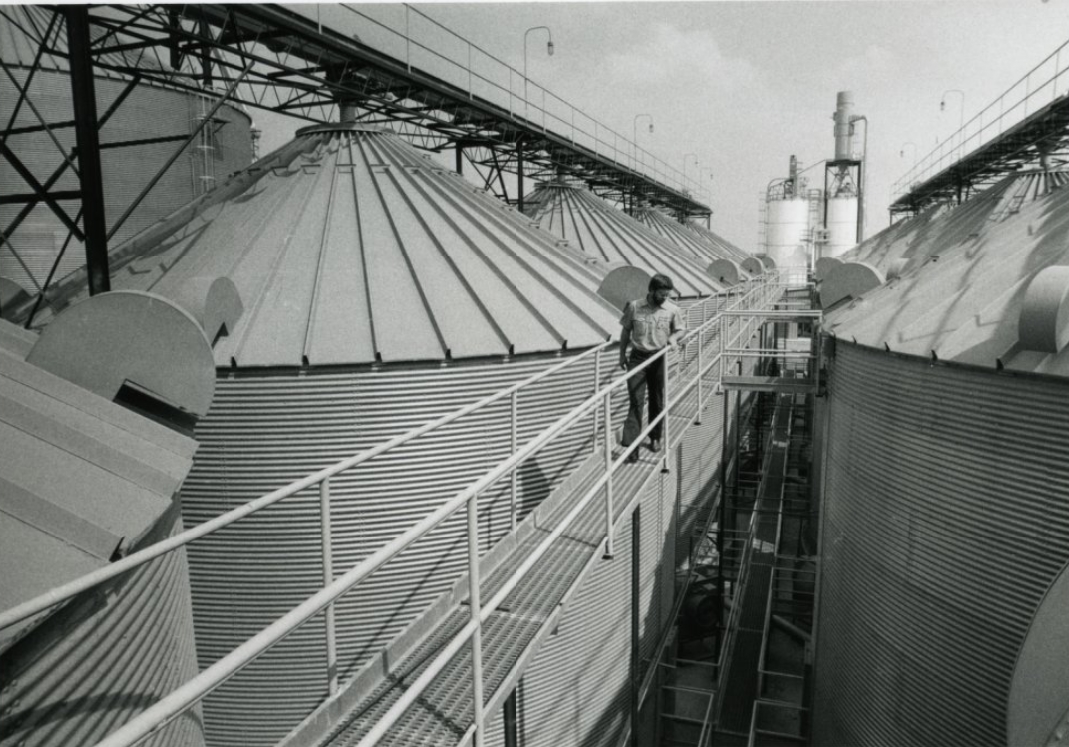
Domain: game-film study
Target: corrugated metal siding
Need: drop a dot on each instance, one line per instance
(148, 112)
(576, 691)
(945, 522)
(105, 657)
(264, 431)
(576, 215)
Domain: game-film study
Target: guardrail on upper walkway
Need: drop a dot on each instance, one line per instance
(420, 42)
(1039, 87)
(695, 367)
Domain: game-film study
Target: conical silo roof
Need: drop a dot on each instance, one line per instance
(576, 215)
(348, 246)
(716, 240)
(911, 242)
(701, 246)
(971, 289)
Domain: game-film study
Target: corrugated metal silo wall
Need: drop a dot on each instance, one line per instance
(265, 430)
(945, 520)
(149, 112)
(577, 690)
(105, 657)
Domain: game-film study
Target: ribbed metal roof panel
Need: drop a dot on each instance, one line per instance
(911, 242)
(578, 216)
(706, 246)
(81, 474)
(348, 246)
(964, 302)
(737, 253)
(945, 522)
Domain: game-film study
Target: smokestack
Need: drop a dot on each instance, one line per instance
(844, 107)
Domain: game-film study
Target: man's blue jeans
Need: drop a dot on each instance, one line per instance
(651, 378)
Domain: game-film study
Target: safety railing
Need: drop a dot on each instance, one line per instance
(778, 738)
(186, 696)
(424, 44)
(1040, 86)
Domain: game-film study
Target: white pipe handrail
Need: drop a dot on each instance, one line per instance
(61, 593)
(415, 690)
(533, 102)
(179, 700)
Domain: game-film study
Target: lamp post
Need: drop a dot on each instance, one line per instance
(634, 132)
(961, 111)
(685, 157)
(549, 51)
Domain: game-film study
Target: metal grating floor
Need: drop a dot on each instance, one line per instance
(444, 714)
(739, 683)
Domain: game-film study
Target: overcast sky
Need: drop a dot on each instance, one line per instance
(746, 84)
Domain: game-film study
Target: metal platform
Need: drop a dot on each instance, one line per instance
(443, 714)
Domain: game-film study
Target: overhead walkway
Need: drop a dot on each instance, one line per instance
(441, 680)
(1028, 123)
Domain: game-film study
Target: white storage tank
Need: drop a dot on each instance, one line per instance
(841, 225)
(787, 232)
(379, 292)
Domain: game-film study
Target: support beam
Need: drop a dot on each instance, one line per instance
(83, 96)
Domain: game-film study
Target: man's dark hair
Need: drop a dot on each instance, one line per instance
(661, 282)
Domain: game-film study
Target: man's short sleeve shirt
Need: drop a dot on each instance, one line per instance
(651, 325)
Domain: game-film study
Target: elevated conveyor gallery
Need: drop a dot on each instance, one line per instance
(513, 633)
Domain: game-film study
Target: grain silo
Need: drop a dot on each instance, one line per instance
(379, 292)
(946, 471)
(574, 214)
(148, 123)
(87, 480)
(708, 246)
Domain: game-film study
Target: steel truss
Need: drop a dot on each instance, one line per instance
(273, 59)
(1041, 140)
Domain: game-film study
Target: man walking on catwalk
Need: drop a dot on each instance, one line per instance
(649, 325)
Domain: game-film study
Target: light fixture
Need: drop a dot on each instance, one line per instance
(549, 47)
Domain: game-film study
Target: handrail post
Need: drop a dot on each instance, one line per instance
(701, 344)
(666, 436)
(476, 617)
(597, 385)
(723, 332)
(515, 445)
(608, 477)
(328, 578)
